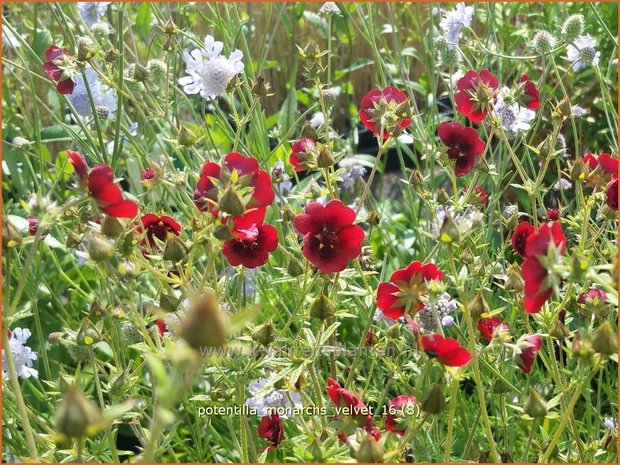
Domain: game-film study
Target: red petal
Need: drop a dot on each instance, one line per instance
(123, 209)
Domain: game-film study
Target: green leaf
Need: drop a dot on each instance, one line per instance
(288, 112)
(143, 21)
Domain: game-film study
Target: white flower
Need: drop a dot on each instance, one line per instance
(277, 399)
(318, 119)
(353, 170)
(578, 112)
(562, 185)
(22, 355)
(379, 317)
(582, 53)
(103, 96)
(454, 21)
(91, 12)
(208, 71)
(611, 423)
(329, 8)
(9, 40)
(514, 117)
(465, 220)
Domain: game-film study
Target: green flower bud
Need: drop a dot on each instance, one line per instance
(175, 249)
(205, 324)
(369, 450)
(449, 231)
(535, 406)
(325, 158)
(294, 268)
(232, 203)
(112, 227)
(322, 308)
(77, 416)
(10, 235)
(187, 138)
(573, 27)
(604, 340)
(434, 402)
(264, 334)
(99, 248)
(543, 42)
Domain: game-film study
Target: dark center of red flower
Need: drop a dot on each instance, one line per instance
(327, 239)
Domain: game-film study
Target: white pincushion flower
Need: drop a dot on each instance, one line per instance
(22, 355)
(91, 12)
(209, 72)
(562, 185)
(329, 8)
(103, 96)
(582, 53)
(288, 401)
(514, 117)
(454, 21)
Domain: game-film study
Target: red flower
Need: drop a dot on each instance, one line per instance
(601, 169)
(535, 274)
(529, 346)
(611, 191)
(60, 67)
(108, 195)
(464, 145)
(331, 239)
(251, 183)
(553, 214)
(302, 152)
(385, 112)
(33, 225)
(159, 227)
(592, 296)
(476, 94)
(253, 240)
(405, 291)
(481, 195)
(449, 352)
(396, 409)
(520, 235)
(355, 408)
(531, 96)
(270, 428)
(488, 327)
(608, 164)
(79, 165)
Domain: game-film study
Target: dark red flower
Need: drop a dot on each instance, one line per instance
(253, 240)
(488, 327)
(447, 350)
(252, 184)
(162, 327)
(331, 240)
(108, 195)
(519, 237)
(600, 169)
(353, 406)
(148, 174)
(553, 214)
(385, 112)
(159, 227)
(608, 164)
(476, 94)
(270, 429)
(302, 153)
(405, 291)
(611, 191)
(529, 346)
(592, 296)
(396, 409)
(79, 165)
(535, 273)
(33, 225)
(531, 96)
(464, 145)
(481, 195)
(60, 67)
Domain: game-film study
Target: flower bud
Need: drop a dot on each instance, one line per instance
(500, 387)
(449, 231)
(442, 197)
(97, 310)
(111, 55)
(260, 88)
(467, 257)
(535, 406)
(232, 203)
(112, 227)
(369, 450)
(294, 268)
(288, 214)
(309, 132)
(416, 178)
(10, 235)
(325, 158)
(156, 69)
(85, 49)
(514, 280)
(373, 218)
(140, 73)
(175, 249)
(322, 308)
(579, 267)
(543, 42)
(478, 306)
(581, 348)
(264, 334)
(604, 341)
(168, 45)
(205, 324)
(170, 27)
(434, 402)
(88, 334)
(168, 302)
(558, 330)
(130, 334)
(187, 138)
(77, 416)
(99, 248)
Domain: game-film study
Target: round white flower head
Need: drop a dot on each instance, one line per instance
(288, 401)
(103, 96)
(329, 8)
(91, 12)
(582, 53)
(454, 21)
(514, 117)
(21, 354)
(208, 71)
(562, 185)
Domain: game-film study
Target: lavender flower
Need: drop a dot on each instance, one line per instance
(454, 21)
(582, 53)
(353, 170)
(91, 12)
(277, 399)
(104, 98)
(440, 310)
(22, 355)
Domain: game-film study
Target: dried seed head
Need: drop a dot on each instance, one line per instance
(543, 42)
